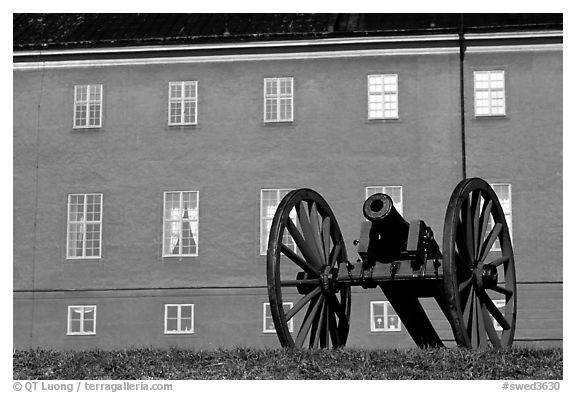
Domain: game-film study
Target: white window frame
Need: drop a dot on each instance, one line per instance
(179, 318)
(380, 101)
(83, 309)
(500, 304)
(180, 220)
(388, 310)
(264, 232)
(84, 223)
(88, 102)
(399, 206)
(266, 317)
(489, 94)
(506, 208)
(277, 99)
(182, 100)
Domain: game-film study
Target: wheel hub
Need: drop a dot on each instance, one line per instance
(328, 279)
(485, 276)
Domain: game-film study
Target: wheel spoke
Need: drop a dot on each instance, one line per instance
(308, 233)
(334, 333)
(499, 261)
(503, 290)
(315, 224)
(481, 328)
(469, 229)
(317, 326)
(326, 236)
(489, 327)
(484, 218)
(306, 281)
(490, 242)
(337, 307)
(461, 244)
(473, 327)
(325, 342)
(464, 284)
(307, 324)
(468, 306)
(476, 202)
(307, 251)
(493, 310)
(302, 302)
(304, 265)
(335, 254)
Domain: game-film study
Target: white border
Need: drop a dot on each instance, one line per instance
(386, 304)
(99, 256)
(182, 100)
(179, 305)
(69, 331)
(164, 255)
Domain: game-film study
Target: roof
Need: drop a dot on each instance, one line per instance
(57, 31)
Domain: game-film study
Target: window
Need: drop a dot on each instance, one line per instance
(383, 318)
(183, 108)
(268, 323)
(88, 106)
(180, 224)
(500, 304)
(278, 99)
(81, 320)
(394, 192)
(84, 237)
(269, 201)
(489, 96)
(178, 318)
(383, 96)
(504, 193)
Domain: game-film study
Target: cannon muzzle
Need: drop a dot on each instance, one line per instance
(389, 230)
(380, 209)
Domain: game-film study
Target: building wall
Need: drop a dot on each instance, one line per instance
(231, 154)
(233, 317)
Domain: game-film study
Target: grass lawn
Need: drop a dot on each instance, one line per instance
(247, 363)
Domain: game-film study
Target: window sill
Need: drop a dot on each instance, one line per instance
(80, 334)
(83, 259)
(182, 126)
(383, 121)
(491, 117)
(172, 334)
(87, 129)
(178, 258)
(282, 123)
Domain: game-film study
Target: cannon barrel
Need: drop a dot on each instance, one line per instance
(389, 232)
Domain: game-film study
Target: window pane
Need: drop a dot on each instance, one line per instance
(172, 311)
(175, 90)
(186, 311)
(88, 326)
(81, 93)
(186, 325)
(75, 326)
(271, 86)
(172, 325)
(172, 238)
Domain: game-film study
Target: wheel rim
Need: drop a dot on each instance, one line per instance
(479, 277)
(305, 250)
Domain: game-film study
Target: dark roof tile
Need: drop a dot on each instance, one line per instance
(35, 31)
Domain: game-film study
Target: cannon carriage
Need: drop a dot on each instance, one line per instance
(307, 260)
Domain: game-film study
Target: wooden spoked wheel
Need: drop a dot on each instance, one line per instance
(478, 264)
(305, 252)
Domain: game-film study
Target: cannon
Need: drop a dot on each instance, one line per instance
(472, 278)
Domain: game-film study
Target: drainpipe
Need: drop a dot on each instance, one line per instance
(462, 45)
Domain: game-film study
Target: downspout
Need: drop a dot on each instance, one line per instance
(462, 45)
